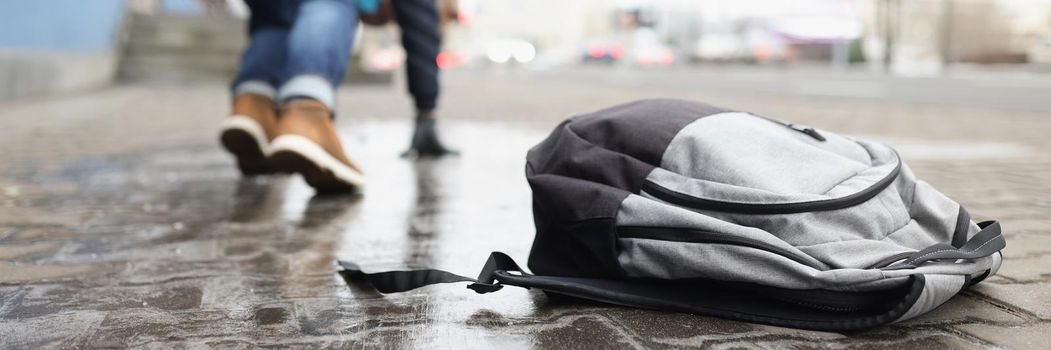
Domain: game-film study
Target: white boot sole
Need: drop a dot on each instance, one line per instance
(320, 169)
(246, 140)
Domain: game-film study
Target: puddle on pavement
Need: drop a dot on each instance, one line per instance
(175, 245)
(176, 229)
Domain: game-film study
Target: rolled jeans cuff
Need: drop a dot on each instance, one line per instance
(309, 86)
(258, 87)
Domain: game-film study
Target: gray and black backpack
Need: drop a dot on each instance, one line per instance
(681, 206)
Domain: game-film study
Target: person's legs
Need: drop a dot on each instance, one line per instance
(421, 38)
(262, 63)
(318, 49)
(253, 120)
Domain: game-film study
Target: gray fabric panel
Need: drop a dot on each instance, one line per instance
(861, 252)
(937, 290)
(742, 158)
(767, 183)
(669, 260)
(936, 214)
(737, 157)
(638, 211)
(676, 260)
(856, 253)
(907, 216)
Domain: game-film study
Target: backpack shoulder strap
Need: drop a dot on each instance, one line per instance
(986, 242)
(405, 280)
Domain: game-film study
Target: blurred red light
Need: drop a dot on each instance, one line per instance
(596, 51)
(762, 53)
(666, 57)
(463, 19)
(616, 50)
(448, 60)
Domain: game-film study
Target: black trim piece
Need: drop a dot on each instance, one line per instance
(963, 224)
(809, 131)
(821, 299)
(707, 298)
(685, 200)
(973, 281)
(698, 236)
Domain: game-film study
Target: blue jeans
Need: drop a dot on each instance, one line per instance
(297, 48)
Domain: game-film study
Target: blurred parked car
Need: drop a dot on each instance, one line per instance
(603, 51)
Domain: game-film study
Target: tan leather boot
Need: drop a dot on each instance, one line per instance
(307, 144)
(248, 131)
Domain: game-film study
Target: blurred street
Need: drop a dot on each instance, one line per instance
(123, 223)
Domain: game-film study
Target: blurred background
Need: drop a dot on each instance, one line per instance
(123, 223)
(59, 46)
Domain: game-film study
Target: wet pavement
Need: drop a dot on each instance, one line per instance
(123, 224)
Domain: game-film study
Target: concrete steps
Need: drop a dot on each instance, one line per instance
(173, 48)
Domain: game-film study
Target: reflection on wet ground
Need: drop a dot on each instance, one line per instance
(170, 247)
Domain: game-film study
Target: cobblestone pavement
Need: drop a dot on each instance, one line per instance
(122, 223)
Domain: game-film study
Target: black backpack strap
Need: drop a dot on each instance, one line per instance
(820, 310)
(986, 242)
(697, 296)
(405, 280)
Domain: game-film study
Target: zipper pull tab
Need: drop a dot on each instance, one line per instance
(807, 130)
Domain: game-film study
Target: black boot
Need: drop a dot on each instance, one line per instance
(425, 142)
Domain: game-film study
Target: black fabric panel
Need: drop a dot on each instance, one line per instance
(584, 248)
(568, 155)
(583, 171)
(577, 190)
(642, 129)
(716, 299)
(575, 227)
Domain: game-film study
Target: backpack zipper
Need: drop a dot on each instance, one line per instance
(685, 200)
(808, 130)
(705, 237)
